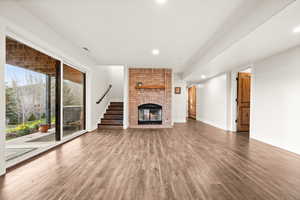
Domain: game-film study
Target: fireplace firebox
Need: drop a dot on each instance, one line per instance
(150, 114)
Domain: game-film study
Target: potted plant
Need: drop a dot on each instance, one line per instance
(44, 128)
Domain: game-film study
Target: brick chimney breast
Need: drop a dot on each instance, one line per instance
(161, 96)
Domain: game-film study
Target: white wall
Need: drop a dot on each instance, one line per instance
(212, 101)
(116, 78)
(126, 102)
(179, 101)
(276, 101)
(100, 83)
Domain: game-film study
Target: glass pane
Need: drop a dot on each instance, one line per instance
(155, 115)
(146, 115)
(73, 100)
(141, 115)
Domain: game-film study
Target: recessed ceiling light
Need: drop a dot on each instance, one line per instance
(200, 86)
(155, 52)
(297, 29)
(161, 1)
(203, 76)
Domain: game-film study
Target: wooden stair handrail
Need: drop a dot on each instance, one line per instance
(108, 89)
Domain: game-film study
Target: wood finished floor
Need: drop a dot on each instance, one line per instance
(190, 161)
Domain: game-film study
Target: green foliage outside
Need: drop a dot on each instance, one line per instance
(32, 117)
(11, 106)
(25, 129)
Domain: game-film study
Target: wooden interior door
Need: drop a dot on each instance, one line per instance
(243, 102)
(192, 102)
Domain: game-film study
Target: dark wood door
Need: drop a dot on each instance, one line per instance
(192, 102)
(243, 102)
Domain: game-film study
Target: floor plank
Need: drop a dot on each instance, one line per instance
(189, 161)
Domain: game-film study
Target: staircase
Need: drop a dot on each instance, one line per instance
(113, 118)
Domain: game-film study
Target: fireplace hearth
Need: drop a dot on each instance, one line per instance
(150, 114)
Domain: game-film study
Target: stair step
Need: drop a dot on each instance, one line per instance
(114, 112)
(101, 126)
(116, 103)
(108, 116)
(118, 110)
(112, 122)
(118, 107)
(113, 106)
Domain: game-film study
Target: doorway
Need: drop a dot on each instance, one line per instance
(243, 100)
(192, 102)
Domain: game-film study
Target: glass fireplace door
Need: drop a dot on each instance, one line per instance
(150, 114)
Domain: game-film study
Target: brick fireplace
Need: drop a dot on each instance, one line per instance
(152, 88)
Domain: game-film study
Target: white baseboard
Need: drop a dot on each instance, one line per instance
(212, 124)
(93, 128)
(274, 145)
(179, 121)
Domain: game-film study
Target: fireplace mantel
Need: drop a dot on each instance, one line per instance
(150, 87)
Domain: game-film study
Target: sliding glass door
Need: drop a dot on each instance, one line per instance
(30, 87)
(45, 101)
(73, 100)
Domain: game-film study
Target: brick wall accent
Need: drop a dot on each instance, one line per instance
(21, 55)
(162, 97)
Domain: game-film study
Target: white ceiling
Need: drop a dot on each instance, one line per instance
(126, 31)
(189, 34)
(270, 38)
